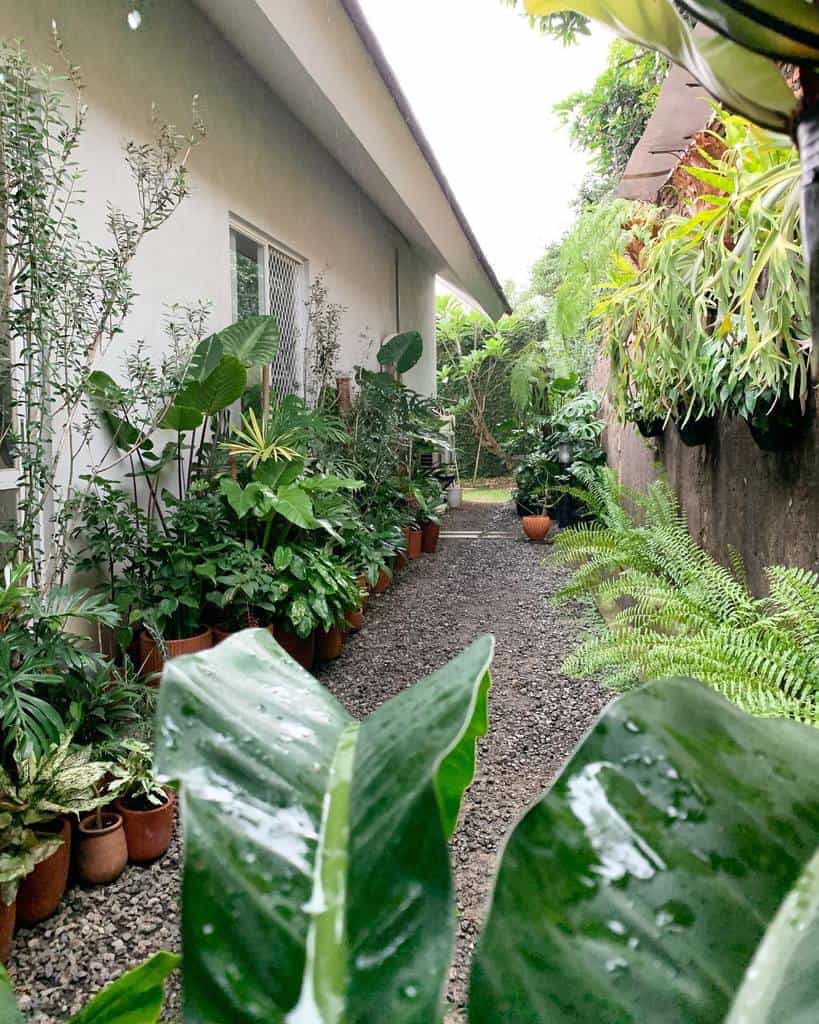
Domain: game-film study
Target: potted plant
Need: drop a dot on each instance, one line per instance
(21, 850)
(244, 593)
(694, 430)
(146, 808)
(779, 423)
(39, 793)
(429, 497)
(537, 524)
(102, 850)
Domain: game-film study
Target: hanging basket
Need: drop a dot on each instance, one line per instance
(783, 428)
(697, 432)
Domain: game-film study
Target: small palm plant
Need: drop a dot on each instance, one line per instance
(676, 611)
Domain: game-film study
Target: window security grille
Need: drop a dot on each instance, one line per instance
(286, 304)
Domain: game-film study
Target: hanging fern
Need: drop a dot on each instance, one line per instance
(678, 612)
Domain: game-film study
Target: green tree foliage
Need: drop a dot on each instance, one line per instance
(608, 119)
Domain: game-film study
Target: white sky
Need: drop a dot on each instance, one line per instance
(483, 84)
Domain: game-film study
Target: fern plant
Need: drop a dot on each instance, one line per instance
(676, 611)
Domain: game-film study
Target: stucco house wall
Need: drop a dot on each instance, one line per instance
(258, 163)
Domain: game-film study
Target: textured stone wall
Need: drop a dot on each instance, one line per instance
(764, 504)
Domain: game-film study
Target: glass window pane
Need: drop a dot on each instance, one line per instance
(247, 285)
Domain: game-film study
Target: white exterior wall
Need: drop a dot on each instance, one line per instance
(258, 163)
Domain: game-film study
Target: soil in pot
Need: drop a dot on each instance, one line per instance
(152, 659)
(382, 583)
(429, 538)
(8, 915)
(783, 428)
(355, 620)
(537, 528)
(301, 650)
(697, 432)
(148, 828)
(330, 643)
(414, 541)
(40, 893)
(102, 851)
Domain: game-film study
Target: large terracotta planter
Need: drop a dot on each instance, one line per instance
(536, 528)
(302, 651)
(414, 541)
(429, 538)
(148, 833)
(102, 853)
(8, 915)
(330, 643)
(40, 893)
(382, 583)
(355, 620)
(152, 659)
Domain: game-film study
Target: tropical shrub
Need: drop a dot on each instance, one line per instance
(677, 611)
(623, 894)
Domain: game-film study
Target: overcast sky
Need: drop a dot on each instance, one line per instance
(483, 84)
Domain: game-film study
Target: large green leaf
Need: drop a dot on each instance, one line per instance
(317, 884)
(785, 29)
(254, 341)
(402, 351)
(9, 1014)
(744, 81)
(295, 505)
(134, 998)
(646, 884)
(223, 386)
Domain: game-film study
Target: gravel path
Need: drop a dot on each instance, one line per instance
(494, 582)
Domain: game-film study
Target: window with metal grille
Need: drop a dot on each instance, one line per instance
(266, 279)
(286, 291)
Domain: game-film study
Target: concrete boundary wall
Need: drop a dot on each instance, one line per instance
(764, 504)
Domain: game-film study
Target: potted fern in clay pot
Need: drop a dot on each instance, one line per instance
(146, 808)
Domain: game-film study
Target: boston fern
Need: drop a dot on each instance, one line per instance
(674, 610)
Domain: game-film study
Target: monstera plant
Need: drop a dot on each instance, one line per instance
(738, 65)
(670, 873)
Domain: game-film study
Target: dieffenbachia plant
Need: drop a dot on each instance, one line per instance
(737, 65)
(671, 872)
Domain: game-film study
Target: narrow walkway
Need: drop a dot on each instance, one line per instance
(485, 578)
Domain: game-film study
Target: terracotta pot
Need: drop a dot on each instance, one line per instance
(414, 540)
(364, 590)
(220, 635)
(41, 892)
(382, 583)
(152, 659)
(148, 833)
(8, 915)
(101, 853)
(302, 651)
(355, 620)
(429, 538)
(536, 527)
(330, 644)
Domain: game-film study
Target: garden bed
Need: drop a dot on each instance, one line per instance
(437, 606)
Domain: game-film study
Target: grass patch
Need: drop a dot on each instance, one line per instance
(487, 495)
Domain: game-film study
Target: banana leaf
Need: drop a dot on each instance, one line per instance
(784, 29)
(317, 885)
(669, 875)
(745, 82)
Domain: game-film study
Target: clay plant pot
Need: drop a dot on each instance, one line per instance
(40, 893)
(148, 830)
(8, 915)
(329, 644)
(536, 528)
(429, 538)
(102, 853)
(152, 659)
(382, 583)
(400, 562)
(355, 620)
(302, 651)
(220, 635)
(414, 542)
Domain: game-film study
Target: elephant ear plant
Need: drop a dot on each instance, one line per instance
(671, 872)
(738, 67)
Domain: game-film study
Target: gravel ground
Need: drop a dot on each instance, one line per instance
(496, 582)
